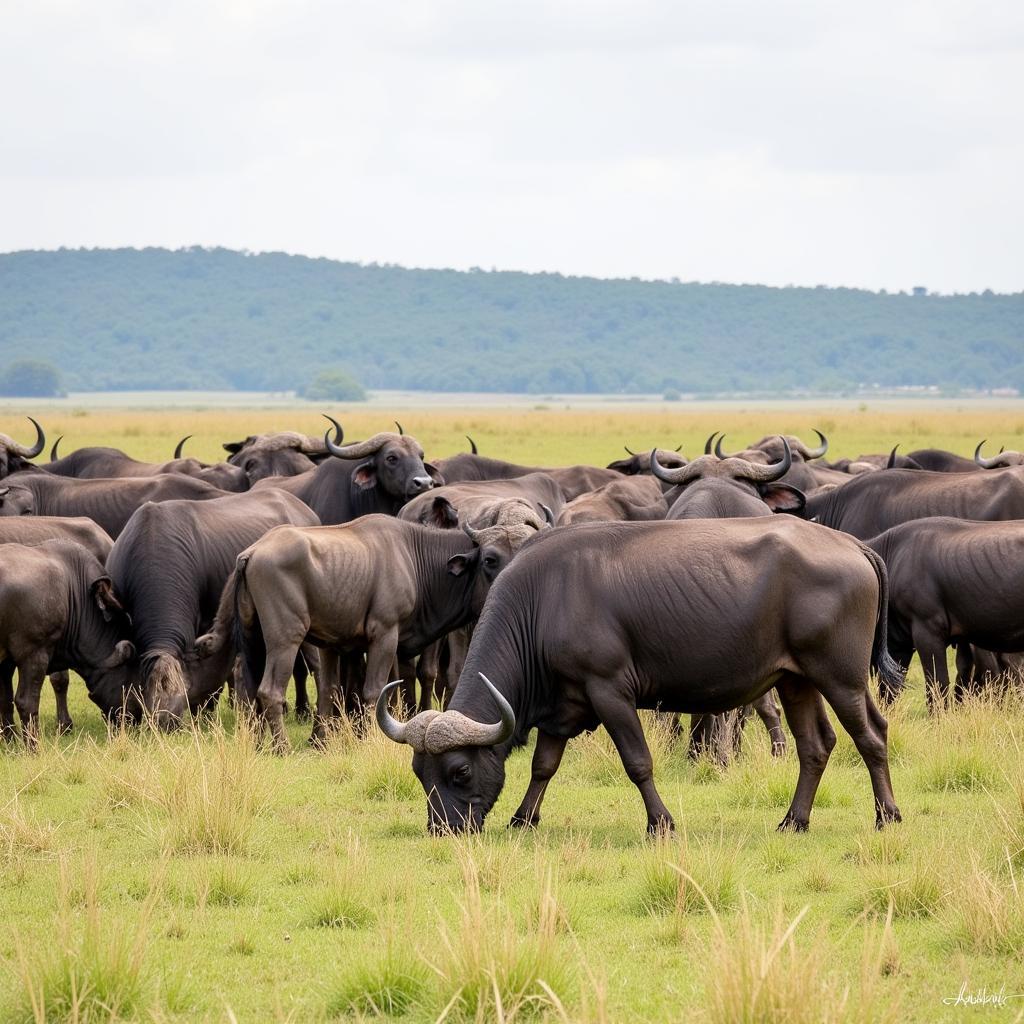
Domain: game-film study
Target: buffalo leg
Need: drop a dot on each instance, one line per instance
(329, 696)
(61, 681)
(869, 731)
(547, 756)
(814, 739)
(617, 713)
(428, 670)
(931, 649)
(7, 726)
(705, 735)
(769, 715)
(272, 689)
(300, 673)
(31, 673)
(380, 656)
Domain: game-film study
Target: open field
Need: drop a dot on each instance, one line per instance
(199, 877)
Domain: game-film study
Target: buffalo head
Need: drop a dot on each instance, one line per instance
(393, 463)
(455, 757)
(16, 501)
(14, 456)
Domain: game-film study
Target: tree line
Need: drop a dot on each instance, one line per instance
(219, 319)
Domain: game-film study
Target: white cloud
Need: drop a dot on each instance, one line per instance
(872, 144)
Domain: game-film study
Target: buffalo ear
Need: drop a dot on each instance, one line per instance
(124, 650)
(434, 473)
(365, 474)
(233, 446)
(443, 513)
(105, 598)
(458, 564)
(783, 498)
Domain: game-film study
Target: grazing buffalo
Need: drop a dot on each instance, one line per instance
(108, 503)
(378, 584)
(58, 611)
(28, 529)
(952, 582)
(873, 502)
(588, 624)
(169, 566)
(16, 500)
(466, 501)
(635, 499)
(378, 475)
(15, 457)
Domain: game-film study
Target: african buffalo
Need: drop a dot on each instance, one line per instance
(952, 582)
(572, 480)
(588, 624)
(16, 500)
(468, 500)
(801, 474)
(639, 463)
(634, 499)
(58, 611)
(1000, 461)
(109, 503)
(15, 457)
(378, 584)
(873, 502)
(378, 475)
(169, 566)
(938, 460)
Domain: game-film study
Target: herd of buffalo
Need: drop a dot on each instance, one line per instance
(505, 598)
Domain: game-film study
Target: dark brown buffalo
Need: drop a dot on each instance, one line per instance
(952, 582)
(378, 475)
(378, 584)
(36, 529)
(801, 474)
(169, 567)
(588, 624)
(873, 502)
(978, 669)
(286, 453)
(938, 460)
(58, 611)
(15, 457)
(639, 463)
(1000, 461)
(108, 503)
(572, 480)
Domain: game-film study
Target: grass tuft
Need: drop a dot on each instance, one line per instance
(390, 985)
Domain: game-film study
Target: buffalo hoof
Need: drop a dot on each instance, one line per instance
(887, 816)
(302, 714)
(660, 826)
(65, 728)
(524, 821)
(792, 824)
(779, 749)
(318, 740)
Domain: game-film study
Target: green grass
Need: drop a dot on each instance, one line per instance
(200, 877)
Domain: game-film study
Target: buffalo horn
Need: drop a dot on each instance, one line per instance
(19, 449)
(180, 445)
(892, 457)
(358, 449)
(765, 474)
(980, 459)
(629, 450)
(679, 475)
(399, 425)
(53, 451)
(339, 434)
(548, 515)
(472, 445)
(707, 444)
(720, 453)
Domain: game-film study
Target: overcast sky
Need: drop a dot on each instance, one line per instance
(874, 144)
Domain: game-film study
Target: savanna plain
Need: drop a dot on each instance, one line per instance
(197, 876)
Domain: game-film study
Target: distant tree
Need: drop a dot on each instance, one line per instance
(31, 378)
(333, 386)
(671, 395)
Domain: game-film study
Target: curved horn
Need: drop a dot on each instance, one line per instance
(180, 445)
(673, 476)
(891, 463)
(20, 449)
(765, 474)
(53, 451)
(399, 425)
(505, 728)
(548, 515)
(629, 450)
(358, 449)
(339, 434)
(472, 445)
(719, 452)
(679, 448)
(707, 444)
(817, 453)
(389, 725)
(473, 535)
(995, 463)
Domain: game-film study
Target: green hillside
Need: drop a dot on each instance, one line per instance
(201, 318)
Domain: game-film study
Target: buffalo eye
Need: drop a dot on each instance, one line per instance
(462, 774)
(392, 459)
(490, 562)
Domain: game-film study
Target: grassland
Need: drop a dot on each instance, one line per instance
(199, 877)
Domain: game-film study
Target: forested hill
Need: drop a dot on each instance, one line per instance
(203, 318)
